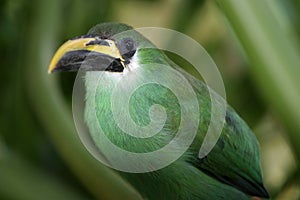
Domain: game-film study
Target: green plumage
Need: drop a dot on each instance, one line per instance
(230, 171)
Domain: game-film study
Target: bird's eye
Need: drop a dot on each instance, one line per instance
(129, 44)
(128, 48)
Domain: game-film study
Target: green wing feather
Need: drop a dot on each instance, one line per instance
(235, 159)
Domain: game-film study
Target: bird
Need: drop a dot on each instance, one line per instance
(231, 170)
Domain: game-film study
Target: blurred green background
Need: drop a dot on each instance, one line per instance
(254, 43)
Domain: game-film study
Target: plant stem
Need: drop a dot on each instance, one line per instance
(22, 181)
(274, 58)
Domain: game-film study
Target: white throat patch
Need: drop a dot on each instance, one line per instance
(131, 67)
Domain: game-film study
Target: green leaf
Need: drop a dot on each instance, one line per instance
(273, 54)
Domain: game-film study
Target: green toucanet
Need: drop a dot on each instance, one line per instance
(230, 171)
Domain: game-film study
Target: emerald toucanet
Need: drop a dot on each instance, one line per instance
(230, 171)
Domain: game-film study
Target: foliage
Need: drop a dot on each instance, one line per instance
(257, 52)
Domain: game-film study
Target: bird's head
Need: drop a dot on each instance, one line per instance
(110, 47)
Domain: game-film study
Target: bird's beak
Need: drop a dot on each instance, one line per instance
(88, 54)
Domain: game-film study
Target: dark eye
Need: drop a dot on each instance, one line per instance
(129, 44)
(128, 48)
